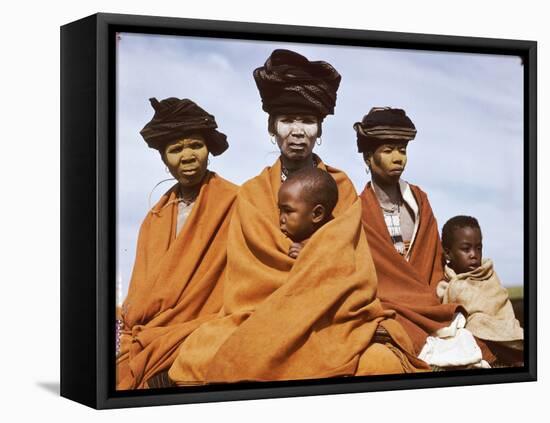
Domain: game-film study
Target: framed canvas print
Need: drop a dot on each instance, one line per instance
(259, 211)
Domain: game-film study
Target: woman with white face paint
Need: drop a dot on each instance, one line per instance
(295, 134)
(295, 318)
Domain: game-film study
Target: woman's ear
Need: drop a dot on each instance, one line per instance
(318, 214)
(271, 125)
(367, 157)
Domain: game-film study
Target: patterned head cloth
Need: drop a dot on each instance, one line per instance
(175, 118)
(290, 83)
(384, 125)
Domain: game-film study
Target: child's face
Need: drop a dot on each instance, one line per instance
(466, 250)
(296, 216)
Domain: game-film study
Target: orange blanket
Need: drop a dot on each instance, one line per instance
(176, 281)
(409, 287)
(284, 319)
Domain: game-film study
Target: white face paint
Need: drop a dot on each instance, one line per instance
(296, 135)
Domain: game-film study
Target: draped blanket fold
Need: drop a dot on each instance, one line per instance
(490, 312)
(176, 282)
(409, 287)
(285, 319)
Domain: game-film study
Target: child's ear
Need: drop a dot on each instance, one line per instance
(318, 214)
(447, 255)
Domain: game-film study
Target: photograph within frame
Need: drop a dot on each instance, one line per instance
(89, 206)
(479, 96)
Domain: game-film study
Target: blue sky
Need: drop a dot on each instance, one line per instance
(467, 108)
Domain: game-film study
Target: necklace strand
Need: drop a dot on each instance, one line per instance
(285, 173)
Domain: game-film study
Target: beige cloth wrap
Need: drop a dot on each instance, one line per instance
(490, 313)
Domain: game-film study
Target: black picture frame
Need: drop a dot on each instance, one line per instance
(88, 201)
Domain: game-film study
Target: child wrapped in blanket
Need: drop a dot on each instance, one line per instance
(473, 283)
(306, 201)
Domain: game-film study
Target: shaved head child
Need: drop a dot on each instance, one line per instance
(306, 201)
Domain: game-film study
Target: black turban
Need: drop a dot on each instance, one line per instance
(290, 83)
(383, 125)
(175, 118)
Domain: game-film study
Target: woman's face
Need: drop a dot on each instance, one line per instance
(296, 135)
(187, 159)
(388, 161)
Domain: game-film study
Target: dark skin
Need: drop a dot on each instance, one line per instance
(465, 252)
(187, 161)
(298, 219)
(387, 163)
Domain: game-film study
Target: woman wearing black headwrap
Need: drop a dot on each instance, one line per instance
(295, 318)
(297, 94)
(181, 254)
(406, 247)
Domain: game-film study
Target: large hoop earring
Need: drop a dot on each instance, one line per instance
(319, 141)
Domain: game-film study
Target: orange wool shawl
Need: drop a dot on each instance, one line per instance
(283, 319)
(409, 287)
(176, 281)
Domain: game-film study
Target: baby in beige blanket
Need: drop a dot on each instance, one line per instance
(472, 282)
